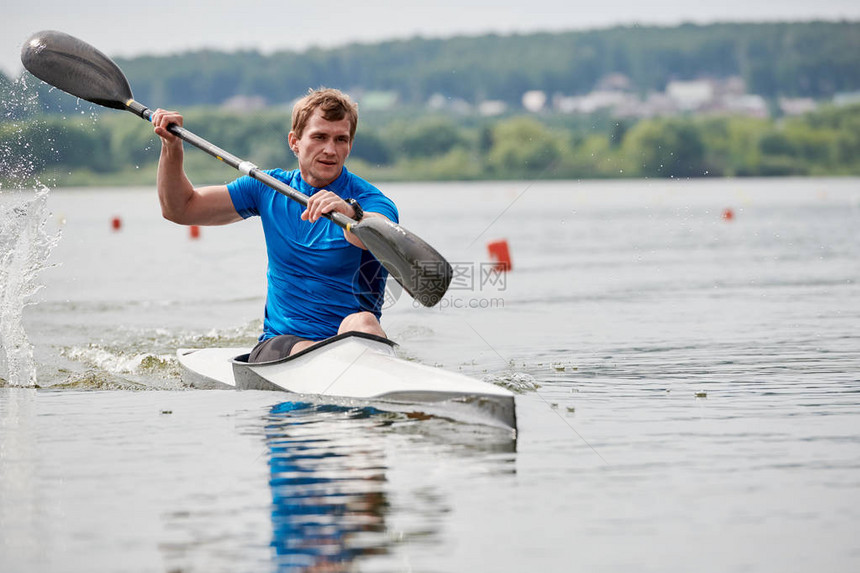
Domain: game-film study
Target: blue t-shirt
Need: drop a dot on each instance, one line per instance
(316, 277)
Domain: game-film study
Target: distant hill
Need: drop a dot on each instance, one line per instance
(809, 59)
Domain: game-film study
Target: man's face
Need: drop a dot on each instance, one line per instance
(322, 149)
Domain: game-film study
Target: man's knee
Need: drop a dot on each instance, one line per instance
(361, 322)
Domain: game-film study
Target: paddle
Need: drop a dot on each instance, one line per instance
(81, 70)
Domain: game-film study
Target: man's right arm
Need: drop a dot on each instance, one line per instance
(180, 201)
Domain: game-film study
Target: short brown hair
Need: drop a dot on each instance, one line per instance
(335, 106)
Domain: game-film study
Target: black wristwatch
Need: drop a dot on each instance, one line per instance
(359, 212)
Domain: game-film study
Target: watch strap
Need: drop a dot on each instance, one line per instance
(359, 212)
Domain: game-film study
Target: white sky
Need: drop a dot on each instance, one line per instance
(168, 26)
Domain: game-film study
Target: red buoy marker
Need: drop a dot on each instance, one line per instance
(116, 223)
(501, 254)
(194, 232)
(728, 214)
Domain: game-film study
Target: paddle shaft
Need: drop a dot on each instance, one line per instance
(245, 167)
(79, 69)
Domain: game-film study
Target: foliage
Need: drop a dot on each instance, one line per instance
(522, 146)
(56, 142)
(48, 133)
(661, 148)
(85, 149)
(428, 136)
(809, 59)
(812, 59)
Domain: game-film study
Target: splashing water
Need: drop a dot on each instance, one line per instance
(18, 162)
(24, 248)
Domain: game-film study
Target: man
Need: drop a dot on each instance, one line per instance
(321, 279)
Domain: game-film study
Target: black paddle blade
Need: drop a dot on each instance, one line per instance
(418, 267)
(76, 68)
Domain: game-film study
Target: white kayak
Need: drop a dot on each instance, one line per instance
(354, 366)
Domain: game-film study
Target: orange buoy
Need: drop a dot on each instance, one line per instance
(116, 223)
(194, 231)
(728, 214)
(501, 254)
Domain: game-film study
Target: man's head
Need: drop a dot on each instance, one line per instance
(324, 125)
(334, 105)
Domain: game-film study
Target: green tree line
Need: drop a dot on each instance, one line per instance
(117, 149)
(48, 134)
(803, 59)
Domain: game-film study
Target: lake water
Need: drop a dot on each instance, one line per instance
(689, 391)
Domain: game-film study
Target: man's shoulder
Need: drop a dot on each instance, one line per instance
(371, 198)
(283, 174)
(360, 186)
(246, 181)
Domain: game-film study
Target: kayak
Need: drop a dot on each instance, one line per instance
(355, 366)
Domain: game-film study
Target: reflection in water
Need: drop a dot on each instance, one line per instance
(327, 480)
(343, 478)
